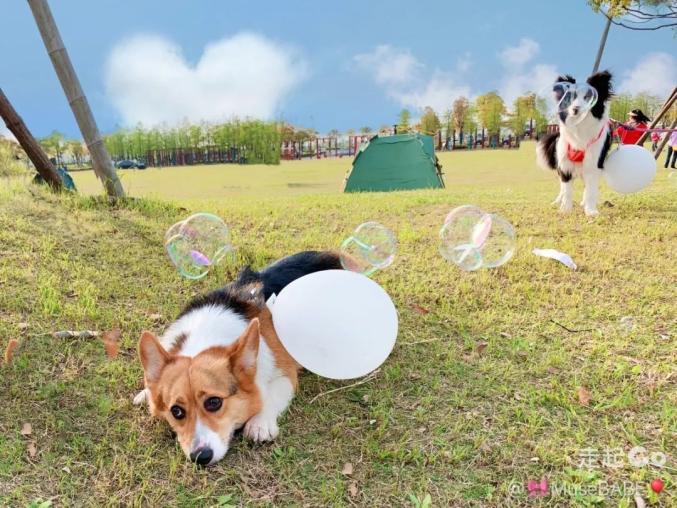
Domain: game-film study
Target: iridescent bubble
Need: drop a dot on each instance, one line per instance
(198, 243)
(472, 239)
(371, 247)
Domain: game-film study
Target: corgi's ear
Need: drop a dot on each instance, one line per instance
(153, 356)
(243, 359)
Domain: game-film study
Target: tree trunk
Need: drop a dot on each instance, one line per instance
(602, 43)
(101, 161)
(32, 148)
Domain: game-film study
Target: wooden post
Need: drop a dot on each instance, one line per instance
(32, 148)
(602, 43)
(664, 109)
(101, 161)
(664, 141)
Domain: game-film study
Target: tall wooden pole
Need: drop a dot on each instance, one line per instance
(670, 101)
(32, 148)
(103, 166)
(602, 43)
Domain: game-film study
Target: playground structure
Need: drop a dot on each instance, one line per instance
(323, 147)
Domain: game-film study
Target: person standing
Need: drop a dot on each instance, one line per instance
(655, 138)
(672, 151)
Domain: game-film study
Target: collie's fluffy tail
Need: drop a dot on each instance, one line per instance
(275, 277)
(546, 151)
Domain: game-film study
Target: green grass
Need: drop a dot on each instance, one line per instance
(440, 419)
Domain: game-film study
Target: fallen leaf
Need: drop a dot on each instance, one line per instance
(72, 334)
(639, 502)
(347, 469)
(583, 396)
(352, 489)
(485, 448)
(110, 342)
(421, 310)
(9, 350)
(32, 450)
(372, 422)
(22, 326)
(481, 346)
(505, 335)
(26, 429)
(365, 398)
(155, 317)
(66, 469)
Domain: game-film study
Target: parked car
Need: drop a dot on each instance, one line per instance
(130, 164)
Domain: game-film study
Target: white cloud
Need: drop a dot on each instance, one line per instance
(439, 93)
(520, 55)
(538, 79)
(407, 81)
(656, 74)
(148, 79)
(389, 66)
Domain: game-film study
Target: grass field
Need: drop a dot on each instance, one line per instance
(485, 388)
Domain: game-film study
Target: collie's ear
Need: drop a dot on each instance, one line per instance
(243, 359)
(601, 81)
(153, 356)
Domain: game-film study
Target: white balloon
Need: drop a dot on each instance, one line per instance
(630, 168)
(336, 323)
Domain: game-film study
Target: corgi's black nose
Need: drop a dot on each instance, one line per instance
(202, 456)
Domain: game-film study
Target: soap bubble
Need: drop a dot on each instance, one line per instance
(472, 239)
(371, 247)
(198, 243)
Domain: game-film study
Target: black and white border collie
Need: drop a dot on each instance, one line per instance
(591, 134)
(220, 366)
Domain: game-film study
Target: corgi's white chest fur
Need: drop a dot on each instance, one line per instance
(211, 326)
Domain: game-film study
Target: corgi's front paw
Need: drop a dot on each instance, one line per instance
(591, 212)
(566, 206)
(261, 428)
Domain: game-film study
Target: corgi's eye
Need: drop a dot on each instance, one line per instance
(213, 404)
(178, 412)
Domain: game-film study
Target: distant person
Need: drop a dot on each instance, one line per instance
(655, 138)
(672, 150)
(630, 132)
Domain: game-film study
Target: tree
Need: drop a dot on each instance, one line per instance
(403, 121)
(458, 115)
(334, 133)
(430, 123)
(638, 14)
(365, 130)
(385, 129)
(76, 149)
(55, 145)
(490, 110)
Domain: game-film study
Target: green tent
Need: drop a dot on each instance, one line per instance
(400, 162)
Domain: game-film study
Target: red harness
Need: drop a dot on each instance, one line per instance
(577, 156)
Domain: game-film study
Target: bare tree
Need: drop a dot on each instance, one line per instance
(101, 161)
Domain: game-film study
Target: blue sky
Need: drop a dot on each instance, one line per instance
(319, 64)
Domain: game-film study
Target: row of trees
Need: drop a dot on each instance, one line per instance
(488, 111)
(529, 113)
(64, 150)
(243, 141)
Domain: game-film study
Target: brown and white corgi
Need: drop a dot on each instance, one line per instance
(220, 366)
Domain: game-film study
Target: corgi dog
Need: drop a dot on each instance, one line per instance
(580, 147)
(220, 366)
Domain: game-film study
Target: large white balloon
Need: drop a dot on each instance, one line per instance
(629, 169)
(336, 323)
